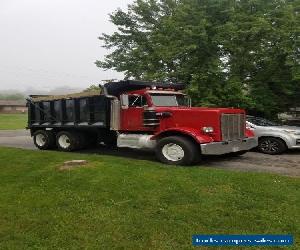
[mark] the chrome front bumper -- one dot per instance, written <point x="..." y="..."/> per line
<point x="220" y="148"/>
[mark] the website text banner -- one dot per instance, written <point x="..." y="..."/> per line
<point x="242" y="240"/>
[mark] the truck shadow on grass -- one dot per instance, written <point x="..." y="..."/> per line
<point x="130" y="153"/>
<point x="138" y="154"/>
<point x="285" y="164"/>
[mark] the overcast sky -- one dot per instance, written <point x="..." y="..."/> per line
<point x="45" y="44"/>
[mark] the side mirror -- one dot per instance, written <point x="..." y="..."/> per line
<point x="124" y="101"/>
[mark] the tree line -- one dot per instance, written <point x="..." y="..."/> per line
<point x="239" y="53"/>
<point x="12" y="96"/>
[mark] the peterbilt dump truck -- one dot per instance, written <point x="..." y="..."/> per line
<point x="141" y="115"/>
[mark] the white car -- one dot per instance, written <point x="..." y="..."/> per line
<point x="274" y="138"/>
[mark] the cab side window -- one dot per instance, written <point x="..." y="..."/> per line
<point x="136" y="101"/>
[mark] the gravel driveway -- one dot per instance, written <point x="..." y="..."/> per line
<point x="285" y="164"/>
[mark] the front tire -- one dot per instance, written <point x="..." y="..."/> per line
<point x="177" y="150"/>
<point x="271" y="146"/>
<point x="44" y="139"/>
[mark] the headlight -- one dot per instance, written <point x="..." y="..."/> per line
<point x="208" y="129"/>
<point x="293" y="132"/>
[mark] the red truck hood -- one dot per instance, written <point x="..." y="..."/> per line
<point x="195" y="118"/>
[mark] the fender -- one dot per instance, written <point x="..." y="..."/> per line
<point x="195" y="134"/>
<point x="283" y="136"/>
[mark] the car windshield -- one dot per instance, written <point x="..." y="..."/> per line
<point x="167" y="100"/>
<point x="261" y="121"/>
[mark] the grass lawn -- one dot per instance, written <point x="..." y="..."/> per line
<point x="13" y="121"/>
<point x="121" y="203"/>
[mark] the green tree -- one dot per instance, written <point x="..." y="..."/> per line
<point x="241" y="53"/>
<point x="93" y="87"/>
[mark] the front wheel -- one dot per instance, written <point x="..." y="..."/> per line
<point x="271" y="145"/>
<point x="177" y="150"/>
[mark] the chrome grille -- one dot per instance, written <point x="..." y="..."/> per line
<point x="232" y="126"/>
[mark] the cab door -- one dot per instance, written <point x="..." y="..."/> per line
<point x="132" y="109"/>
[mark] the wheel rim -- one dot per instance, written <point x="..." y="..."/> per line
<point x="173" y="152"/>
<point x="64" y="141"/>
<point x="40" y="140"/>
<point x="269" y="146"/>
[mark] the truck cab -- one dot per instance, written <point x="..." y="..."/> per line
<point x="158" y="115"/>
<point x="137" y="107"/>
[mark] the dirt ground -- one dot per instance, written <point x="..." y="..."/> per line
<point x="285" y="164"/>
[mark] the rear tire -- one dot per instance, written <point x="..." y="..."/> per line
<point x="177" y="150"/>
<point x="44" y="139"/>
<point x="68" y="141"/>
<point x="271" y="145"/>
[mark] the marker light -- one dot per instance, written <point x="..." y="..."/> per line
<point x="208" y="130"/>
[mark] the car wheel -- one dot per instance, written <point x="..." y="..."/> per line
<point x="68" y="141"/>
<point x="271" y="145"/>
<point x="44" y="139"/>
<point x="177" y="150"/>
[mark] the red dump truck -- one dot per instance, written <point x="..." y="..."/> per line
<point x="141" y="115"/>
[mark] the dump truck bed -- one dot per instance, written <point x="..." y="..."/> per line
<point x="69" y="112"/>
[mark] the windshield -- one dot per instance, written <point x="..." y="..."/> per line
<point x="261" y="121"/>
<point x="167" y="100"/>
